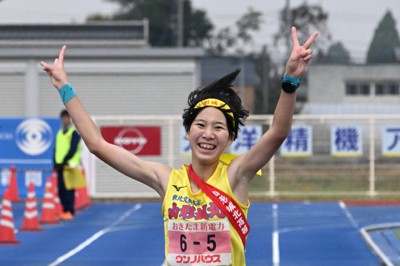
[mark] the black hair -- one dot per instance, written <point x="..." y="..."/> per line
<point x="220" y="89"/>
<point x="63" y="113"/>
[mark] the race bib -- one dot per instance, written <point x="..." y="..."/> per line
<point x="199" y="243"/>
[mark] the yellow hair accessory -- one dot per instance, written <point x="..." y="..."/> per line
<point x="212" y="102"/>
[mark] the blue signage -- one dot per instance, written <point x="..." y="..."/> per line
<point x="28" y="145"/>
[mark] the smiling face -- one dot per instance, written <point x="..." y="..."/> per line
<point x="208" y="136"/>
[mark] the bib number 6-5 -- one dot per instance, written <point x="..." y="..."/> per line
<point x="211" y="244"/>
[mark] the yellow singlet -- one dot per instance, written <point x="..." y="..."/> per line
<point x="196" y="231"/>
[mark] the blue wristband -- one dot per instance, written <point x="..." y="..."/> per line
<point x="294" y="81"/>
<point x="67" y="93"/>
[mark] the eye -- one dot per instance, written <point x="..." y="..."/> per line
<point x="199" y="124"/>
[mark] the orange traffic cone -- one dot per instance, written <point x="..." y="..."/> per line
<point x="49" y="215"/>
<point x="82" y="199"/>
<point x="13" y="185"/>
<point x="57" y="201"/>
<point x="78" y="204"/>
<point x="31" y="220"/>
<point x="7" y="234"/>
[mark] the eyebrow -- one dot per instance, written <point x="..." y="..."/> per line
<point x="215" y="123"/>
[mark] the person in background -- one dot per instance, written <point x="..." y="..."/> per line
<point x="205" y="204"/>
<point x="67" y="153"/>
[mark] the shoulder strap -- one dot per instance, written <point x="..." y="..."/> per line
<point x="226" y="204"/>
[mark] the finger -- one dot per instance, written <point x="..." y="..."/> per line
<point x="294" y="37"/>
<point x="307" y="58"/>
<point x="305" y="53"/>
<point x="45" y="66"/>
<point x="310" y="40"/>
<point x="62" y="53"/>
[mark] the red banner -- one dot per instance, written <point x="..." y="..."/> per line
<point x="138" y="140"/>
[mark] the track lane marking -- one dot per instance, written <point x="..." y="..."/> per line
<point x="96" y="236"/>
<point x="348" y="214"/>
<point x="275" y="236"/>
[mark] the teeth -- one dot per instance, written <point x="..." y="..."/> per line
<point x="207" y="146"/>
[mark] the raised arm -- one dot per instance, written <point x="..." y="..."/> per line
<point x="151" y="174"/>
<point x="283" y="114"/>
<point x="86" y="127"/>
<point x="246" y="166"/>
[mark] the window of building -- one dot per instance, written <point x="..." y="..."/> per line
<point x="388" y="88"/>
<point x="381" y="88"/>
<point x="354" y="89"/>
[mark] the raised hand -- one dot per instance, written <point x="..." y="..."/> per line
<point x="56" y="71"/>
<point x="300" y="56"/>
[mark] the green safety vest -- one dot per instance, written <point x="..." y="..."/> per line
<point x="63" y="144"/>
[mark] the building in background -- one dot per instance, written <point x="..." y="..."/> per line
<point x="111" y="65"/>
<point x="353" y="89"/>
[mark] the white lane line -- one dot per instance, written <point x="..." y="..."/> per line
<point x="275" y="236"/>
<point x="96" y="236"/>
<point x="348" y="214"/>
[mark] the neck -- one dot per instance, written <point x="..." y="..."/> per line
<point x="204" y="171"/>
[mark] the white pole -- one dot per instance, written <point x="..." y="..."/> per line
<point x="372" y="191"/>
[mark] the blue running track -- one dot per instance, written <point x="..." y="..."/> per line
<point x="284" y="234"/>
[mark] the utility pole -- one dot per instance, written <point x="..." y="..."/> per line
<point x="288" y="20"/>
<point x="180" y="23"/>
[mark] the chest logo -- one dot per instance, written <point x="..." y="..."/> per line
<point x="178" y="187"/>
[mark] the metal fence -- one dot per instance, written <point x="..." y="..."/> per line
<point x="366" y="172"/>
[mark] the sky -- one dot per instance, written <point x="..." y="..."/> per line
<point x="351" y="22"/>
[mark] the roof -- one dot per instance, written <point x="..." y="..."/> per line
<point x="119" y="32"/>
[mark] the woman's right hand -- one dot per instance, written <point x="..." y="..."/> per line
<point x="56" y="71"/>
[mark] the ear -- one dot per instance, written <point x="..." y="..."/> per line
<point x="187" y="135"/>
<point x="231" y="139"/>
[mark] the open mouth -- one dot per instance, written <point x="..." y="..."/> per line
<point x="207" y="146"/>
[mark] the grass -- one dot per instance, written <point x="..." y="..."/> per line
<point x="330" y="180"/>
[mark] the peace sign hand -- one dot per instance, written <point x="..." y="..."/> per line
<point x="300" y="56"/>
<point x="56" y="71"/>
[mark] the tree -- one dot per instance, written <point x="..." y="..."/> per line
<point x="227" y="40"/>
<point x="163" y="17"/>
<point x="250" y="21"/>
<point x="337" y="54"/>
<point x="266" y="92"/>
<point x="307" y="19"/>
<point x="384" y="42"/>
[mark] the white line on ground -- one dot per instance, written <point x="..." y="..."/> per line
<point x="348" y="214"/>
<point x="275" y="236"/>
<point x="96" y="236"/>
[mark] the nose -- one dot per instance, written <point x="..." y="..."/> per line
<point x="208" y="133"/>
